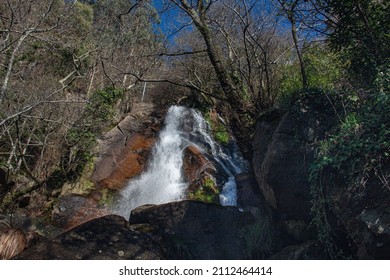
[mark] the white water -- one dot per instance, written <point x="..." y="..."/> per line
<point x="163" y="180"/>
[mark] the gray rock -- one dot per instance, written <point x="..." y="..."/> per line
<point x="197" y="230"/>
<point x="106" y="238"/>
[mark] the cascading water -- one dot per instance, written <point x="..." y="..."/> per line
<point x="163" y="179"/>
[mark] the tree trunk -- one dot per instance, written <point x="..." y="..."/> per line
<point x="300" y="58"/>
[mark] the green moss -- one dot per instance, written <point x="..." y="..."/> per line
<point x="207" y="192"/>
<point x="219" y="129"/>
<point x="108" y="197"/>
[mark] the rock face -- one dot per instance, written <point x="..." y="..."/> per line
<point x="106" y="238"/>
<point x="127" y="162"/>
<point x="280" y="163"/>
<point x="197" y="230"/>
<point x="365" y="217"/>
<point x="196" y="165"/>
<point x="248" y="192"/>
<point x="123" y="151"/>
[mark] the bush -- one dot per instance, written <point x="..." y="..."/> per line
<point x="81" y="138"/>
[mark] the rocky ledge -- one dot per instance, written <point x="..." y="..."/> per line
<point x="177" y="230"/>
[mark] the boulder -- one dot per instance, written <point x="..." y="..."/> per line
<point x="357" y="214"/>
<point x="197" y="230"/>
<point x="280" y="164"/>
<point x="283" y="151"/>
<point x="105" y="238"/>
<point x="199" y="173"/>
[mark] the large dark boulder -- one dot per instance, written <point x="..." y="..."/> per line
<point x="197" y="230"/>
<point x="280" y="163"/>
<point x="106" y="238"/>
<point x="282" y="175"/>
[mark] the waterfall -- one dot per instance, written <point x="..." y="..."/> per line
<point x="163" y="179"/>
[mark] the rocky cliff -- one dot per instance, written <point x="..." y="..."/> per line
<point x="357" y="220"/>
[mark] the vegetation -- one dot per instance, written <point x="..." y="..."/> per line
<point x="355" y="152"/>
<point x="218" y="128"/>
<point x="207" y="192"/>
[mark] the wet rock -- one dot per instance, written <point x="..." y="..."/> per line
<point x="105" y="238"/>
<point x="126" y="163"/>
<point x="123" y="151"/>
<point x="197" y="168"/>
<point x="197" y="230"/>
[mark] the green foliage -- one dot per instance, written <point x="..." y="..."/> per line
<point x="360" y="143"/>
<point x="290" y="79"/>
<point x="323" y="67"/>
<point x="361" y="34"/>
<point x="323" y="70"/>
<point x="353" y="152"/>
<point x="108" y="197"/>
<point x="98" y="114"/>
<point x="100" y="106"/>
<point x="207" y="192"/>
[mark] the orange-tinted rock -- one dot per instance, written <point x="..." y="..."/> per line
<point x="124" y="150"/>
<point x="196" y="168"/>
<point x="127" y="162"/>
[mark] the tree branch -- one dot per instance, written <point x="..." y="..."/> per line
<point x="190" y="86"/>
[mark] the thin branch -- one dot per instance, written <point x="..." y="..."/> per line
<point x="190" y="86"/>
<point x="181" y="53"/>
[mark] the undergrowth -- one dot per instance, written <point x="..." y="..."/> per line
<point x="353" y="152"/>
